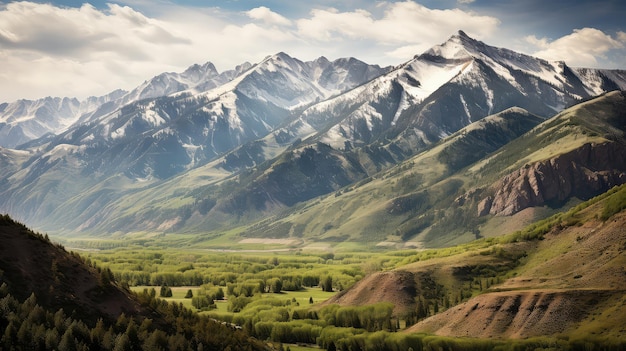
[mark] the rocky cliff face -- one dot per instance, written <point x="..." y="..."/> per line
<point x="582" y="173"/>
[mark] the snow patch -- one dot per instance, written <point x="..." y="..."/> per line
<point x="467" y="112"/>
<point x="119" y="132"/>
<point x="63" y="150"/>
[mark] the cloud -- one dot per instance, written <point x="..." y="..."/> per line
<point x="583" y="47"/>
<point x="64" y="51"/>
<point x="268" y="16"/>
<point x="403" y="23"/>
<point x="77" y="31"/>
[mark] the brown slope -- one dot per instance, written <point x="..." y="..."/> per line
<point x="517" y="314"/>
<point x="398" y="287"/>
<point x="31" y="264"/>
<point x="573" y="283"/>
<point x="428" y="279"/>
<point x="583" y="173"/>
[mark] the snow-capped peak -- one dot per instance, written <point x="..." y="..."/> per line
<point x="458" y="47"/>
<point x="197" y="72"/>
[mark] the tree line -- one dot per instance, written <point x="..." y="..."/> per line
<point x="27" y="325"/>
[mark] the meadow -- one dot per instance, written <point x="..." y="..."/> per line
<point x="274" y="293"/>
<point x="278" y="292"/>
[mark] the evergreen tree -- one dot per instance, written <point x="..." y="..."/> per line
<point x="327" y="284"/>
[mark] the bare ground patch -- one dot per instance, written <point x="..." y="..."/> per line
<point x="267" y="241"/>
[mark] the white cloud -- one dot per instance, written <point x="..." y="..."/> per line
<point x="50" y="50"/>
<point x="402" y="23"/>
<point x="268" y="16"/>
<point x="583" y="47"/>
<point x="63" y="51"/>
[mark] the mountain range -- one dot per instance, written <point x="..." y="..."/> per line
<point x="432" y="152"/>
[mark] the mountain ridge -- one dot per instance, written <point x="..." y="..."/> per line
<point x="349" y="118"/>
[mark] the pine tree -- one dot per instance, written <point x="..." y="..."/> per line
<point x="327" y="284"/>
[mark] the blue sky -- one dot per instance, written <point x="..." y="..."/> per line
<point x="73" y="48"/>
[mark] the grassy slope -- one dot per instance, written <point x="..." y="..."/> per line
<point x="411" y="203"/>
<point x="414" y="201"/>
<point x="571" y="282"/>
<point x="361" y="212"/>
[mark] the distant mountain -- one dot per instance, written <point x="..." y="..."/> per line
<point x="448" y="87"/>
<point x="398" y="114"/>
<point x="25" y="120"/>
<point x="156" y="138"/>
<point x="202" y="150"/>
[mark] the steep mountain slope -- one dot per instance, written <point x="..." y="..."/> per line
<point x="235" y="146"/>
<point x="443" y="196"/>
<point x="561" y="277"/>
<point x="25" y="120"/>
<point x="53" y="299"/>
<point x="31" y="264"/>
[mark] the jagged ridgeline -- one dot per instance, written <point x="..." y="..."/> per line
<point x="54" y="299"/>
<point x="334" y="151"/>
<point x="492" y="177"/>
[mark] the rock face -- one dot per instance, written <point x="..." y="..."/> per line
<point x="582" y="173"/>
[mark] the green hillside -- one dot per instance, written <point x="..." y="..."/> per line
<point x="433" y="198"/>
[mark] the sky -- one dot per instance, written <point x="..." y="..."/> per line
<point x="80" y="49"/>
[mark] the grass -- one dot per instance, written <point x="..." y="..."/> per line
<point x="294" y="347"/>
<point x="301" y="296"/>
<point x="538" y="251"/>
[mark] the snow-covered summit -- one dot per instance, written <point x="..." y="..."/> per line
<point x="458" y="47"/>
<point x="25" y="120"/>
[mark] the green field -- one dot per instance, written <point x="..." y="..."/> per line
<point x="276" y="293"/>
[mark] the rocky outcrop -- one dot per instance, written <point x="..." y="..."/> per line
<point x="583" y="173"/>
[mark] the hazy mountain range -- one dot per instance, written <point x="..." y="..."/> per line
<point x="432" y="151"/>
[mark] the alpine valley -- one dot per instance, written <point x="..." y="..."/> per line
<point x="470" y="191"/>
<point x="320" y="150"/>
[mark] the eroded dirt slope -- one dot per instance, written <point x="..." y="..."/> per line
<point x="573" y="283"/>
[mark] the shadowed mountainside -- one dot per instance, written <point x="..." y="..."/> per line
<point x="32" y="264"/>
<point x="54" y="299"/>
